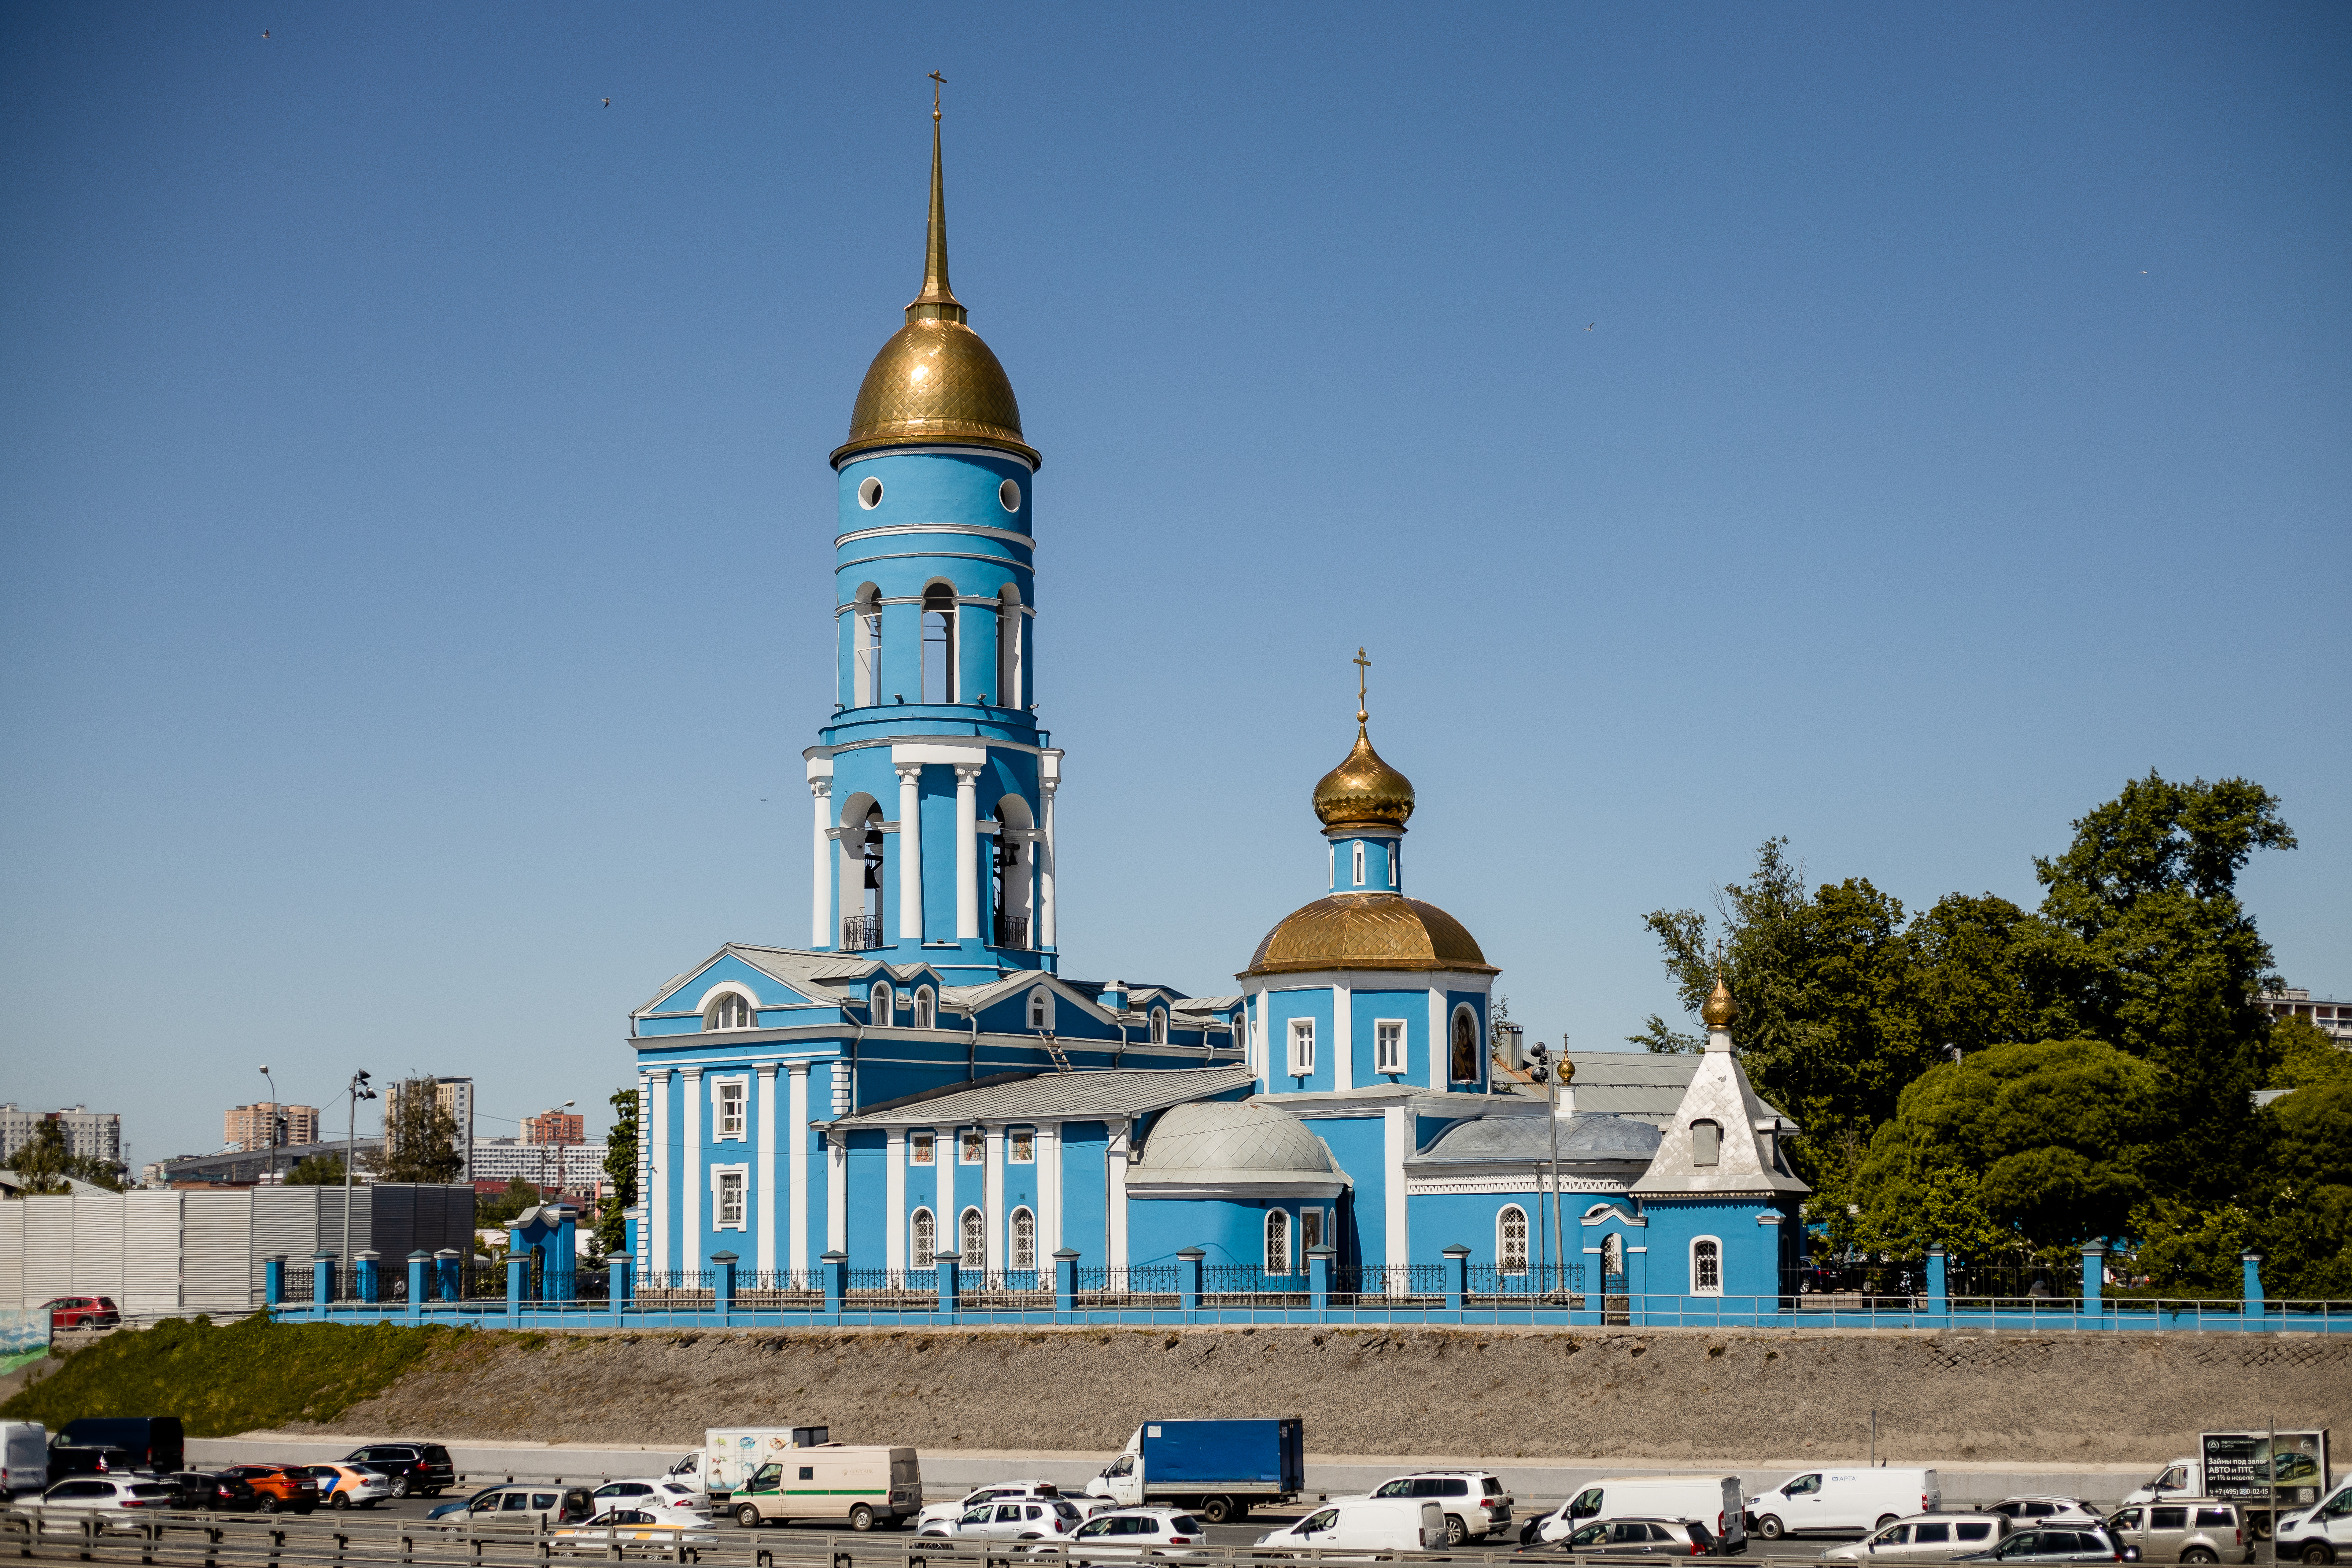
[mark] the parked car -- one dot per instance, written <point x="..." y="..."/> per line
<point x="84" y="1313"/>
<point x="658" y="1491"/>
<point x="2188" y="1530"/>
<point x="423" y="1470"/>
<point x="521" y="1502"/>
<point x="1383" y="1526"/>
<point x="211" y="1493"/>
<point x="1860" y="1500"/>
<point x="2055" y="1543"/>
<point x="1474" y="1502"/>
<point x="1011" y="1519"/>
<point x="1640" y="1538"/>
<point x="154" y="1442"/>
<point x="948" y="1512"/>
<point x="659" y="1525"/>
<point x="284" y="1489"/>
<point x="1925" y="1538"/>
<point x="116" y="1499"/>
<point x="1131" y="1532"/>
<point x="2034" y="1509"/>
<point x="351" y="1486"/>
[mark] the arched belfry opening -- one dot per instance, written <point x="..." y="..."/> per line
<point x="940" y="643"/>
<point x="864" y="879"/>
<point x="1014" y="885"/>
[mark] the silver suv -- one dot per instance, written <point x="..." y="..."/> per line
<point x="1925" y="1538"/>
<point x="1474" y="1502"/>
<point x="2191" y="1528"/>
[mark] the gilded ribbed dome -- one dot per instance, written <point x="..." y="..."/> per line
<point x="1720" y="1009"/>
<point x="1368" y="931"/>
<point x="935" y="380"/>
<point x="1363" y="791"/>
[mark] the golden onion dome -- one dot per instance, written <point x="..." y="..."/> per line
<point x="1720" y="1009"/>
<point x="1363" y="791"/>
<point x="1368" y="931"/>
<point x="935" y="380"/>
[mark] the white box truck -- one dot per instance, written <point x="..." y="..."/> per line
<point x="730" y="1454"/>
<point x="2243" y="1467"/>
<point x="1713" y="1501"/>
<point x="1859" y="1499"/>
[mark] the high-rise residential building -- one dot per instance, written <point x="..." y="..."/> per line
<point x="453" y="1094"/>
<point x="95" y="1134"/>
<point x="2332" y="1017"/>
<point x="555" y="1127"/>
<point x="247" y="1127"/>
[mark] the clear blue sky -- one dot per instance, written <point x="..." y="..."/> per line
<point x="416" y="546"/>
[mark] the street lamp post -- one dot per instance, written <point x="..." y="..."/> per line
<point x="273" y="1121"/>
<point x="358" y="1091"/>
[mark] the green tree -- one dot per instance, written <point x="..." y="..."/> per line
<point x="2303" y="1054"/>
<point x="501" y="1208"/>
<point x="620" y="1173"/>
<point x="47" y="1165"/>
<point x="420" y="1137"/>
<point x="318" y="1171"/>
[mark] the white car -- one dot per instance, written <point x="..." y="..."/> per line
<point x="2024" y="1510"/>
<point x="951" y="1512"/>
<point x="351" y="1486"/>
<point x="1131" y="1532"/>
<point x="1925" y="1538"/>
<point x="119" y="1502"/>
<point x="652" y="1491"/>
<point x="655" y="1525"/>
<point x="1474" y="1502"/>
<point x="1011" y="1519"/>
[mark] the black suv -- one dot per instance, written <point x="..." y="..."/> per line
<point x="418" y="1470"/>
<point x="218" y="1494"/>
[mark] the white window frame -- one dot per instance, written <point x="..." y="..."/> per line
<point x="742" y="1174"/>
<point x="742" y="1084"/>
<point x="969" y="1223"/>
<point x="971" y="1146"/>
<point x="1159" y="1025"/>
<point x="1382" y="1062"/>
<point x="1278" y="1232"/>
<point x="1359" y="862"/>
<point x="1302" y="1048"/>
<point x="927" y="1011"/>
<point x="882" y="1003"/>
<point x="1021" y="1250"/>
<point x="1501" y="1250"/>
<point x="866" y="652"/>
<point x="923" y="1149"/>
<point x="731" y="998"/>
<point x="1041" y="1008"/>
<point x="917" y="1255"/>
<point x="1696" y="1287"/>
<point x="1020" y="1145"/>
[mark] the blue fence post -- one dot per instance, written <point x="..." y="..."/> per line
<point x="835" y="1267"/>
<point x="518" y="1279"/>
<point x="722" y="1284"/>
<point x="420" y="1288"/>
<point x="620" y="1278"/>
<point x="273" y="1278"/>
<point x="1940" y="1292"/>
<point x="1188" y="1283"/>
<point x="1457" y="1279"/>
<point x="2253" y="1309"/>
<point x="446" y="1263"/>
<point x="1066" y="1285"/>
<point x="1319" y="1286"/>
<point x="944" y="1309"/>
<point x="2095" y="1277"/>
<point x="366" y="1278"/>
<point x="323" y="1280"/>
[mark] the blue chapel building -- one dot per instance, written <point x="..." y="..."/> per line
<point x="919" y="1077"/>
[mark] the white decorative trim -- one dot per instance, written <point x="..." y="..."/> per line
<point x="728" y="988"/>
<point x="1301" y="1187"/>
<point x="1343" y="1038"/>
<point x="743" y="1170"/>
<point x="1520" y="1181"/>
<point x="893" y="1197"/>
<point x="1397" y="1135"/>
<point x="1692" y="1256"/>
<point x="1404" y="1048"/>
<point x="871" y="453"/>
<point x="690" y="1229"/>
<point x="715" y="1081"/>
<point x="1602" y="1213"/>
<point x="796" y="1117"/>
<point x="764" y="1182"/>
<point x="973" y="530"/>
<point x="924" y="555"/>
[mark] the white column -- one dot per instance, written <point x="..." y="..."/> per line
<point x="1049" y="1193"/>
<point x="1045" y="869"/>
<point x="910" y="851"/>
<point x="822" y="932"/>
<point x="763" y="1182"/>
<point x="796" y="1132"/>
<point x="991" y="1202"/>
<point x="1119" y="1144"/>
<point x="657" y="1169"/>
<point x="1398" y="1130"/>
<point x="967" y="777"/>
<point x="946" y="1238"/>
<point x="690" y="1176"/>
<point x="894" y="1198"/>
<point x="1343" y="1029"/>
<point x="836" y="1195"/>
<point x="1441" y="1039"/>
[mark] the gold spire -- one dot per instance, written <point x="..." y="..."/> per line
<point x="1363" y="791"/>
<point x="1720" y="1009"/>
<point x="937" y="301"/>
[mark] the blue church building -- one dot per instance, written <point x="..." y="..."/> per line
<point x="919" y="1077"/>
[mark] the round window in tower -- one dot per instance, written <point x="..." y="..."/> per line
<point x="869" y="492"/>
<point x="1008" y="495"/>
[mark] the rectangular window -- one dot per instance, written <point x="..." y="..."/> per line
<point x="1707" y="1142"/>
<point x="727" y="1188"/>
<point x="1021" y="1146"/>
<point x="919" y="1149"/>
<point x="1359" y="862"/>
<point x="1302" y="1047"/>
<point x="730" y="1092"/>
<point x="1388" y="1045"/>
<point x="972" y="1147"/>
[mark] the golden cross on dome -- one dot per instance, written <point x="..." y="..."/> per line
<point x="937" y="81"/>
<point x="1362" y="665"/>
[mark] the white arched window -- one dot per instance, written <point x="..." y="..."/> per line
<point x="729" y="1011"/>
<point x="1041" y="1009"/>
<point x="975" y="1254"/>
<point x="1159" y="1025"/>
<point x="1612" y="1253"/>
<point x="1706" y="1266"/>
<point x="1511" y="1239"/>
<point x="922" y="1240"/>
<point x="938" y="642"/>
<point x="1025" y="1242"/>
<point x="865" y="648"/>
<point x="922" y="1007"/>
<point x="1359" y="862"/>
<point x="1277" y="1241"/>
<point x="881" y="1008"/>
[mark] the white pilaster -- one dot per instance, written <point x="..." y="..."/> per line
<point x="1119" y="1144"/>
<point x="1397" y="1128"/>
<point x="910" y="851"/>
<point x="657" y="1163"/>
<point x="691" y="1177"/>
<point x="1441" y="1042"/>
<point x="1045" y="867"/>
<point x="991" y="1203"/>
<point x="763" y="1179"/>
<point x="1343" y="1037"/>
<point x="822" y="867"/>
<point x="894" y="1198"/>
<point x="836" y="1194"/>
<point x="967" y="851"/>
<point x="944" y="1156"/>
<point x="1049" y="1193"/>
<point x="796" y="1128"/>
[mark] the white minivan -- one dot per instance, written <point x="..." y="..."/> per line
<point x="1859" y="1498"/>
<point x="1364" y="1524"/>
<point x="24" y="1457"/>
<point x="1713" y="1501"/>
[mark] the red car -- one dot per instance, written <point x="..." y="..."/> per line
<point x="84" y="1313"/>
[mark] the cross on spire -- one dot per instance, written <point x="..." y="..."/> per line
<point x="1362" y="666"/>
<point x="937" y="81"/>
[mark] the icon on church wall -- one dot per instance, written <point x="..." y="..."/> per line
<point x="1465" y="1047"/>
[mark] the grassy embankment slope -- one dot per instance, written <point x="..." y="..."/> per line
<point x="220" y="1380"/>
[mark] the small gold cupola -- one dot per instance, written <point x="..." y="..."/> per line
<point x="1363" y="791"/>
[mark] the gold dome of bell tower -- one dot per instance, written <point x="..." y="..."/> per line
<point x="1363" y="791"/>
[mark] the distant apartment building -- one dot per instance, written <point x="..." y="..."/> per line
<point x="453" y="1094"/>
<point x="2334" y="1018"/>
<point x="572" y="1167"/>
<point x="95" y="1133"/>
<point x="555" y="1127"/>
<point x="248" y="1127"/>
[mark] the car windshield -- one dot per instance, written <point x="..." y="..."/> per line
<point x="1095" y="1527"/>
<point x="1395" y="1488"/>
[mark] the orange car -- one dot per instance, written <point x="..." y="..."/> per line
<point x="283" y="1488"/>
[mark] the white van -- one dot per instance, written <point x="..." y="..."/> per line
<point x="1858" y="1498"/>
<point x="730" y="1454"/>
<point x="1364" y="1524"/>
<point x="861" y="1487"/>
<point x="1712" y="1501"/>
<point x="24" y="1457"/>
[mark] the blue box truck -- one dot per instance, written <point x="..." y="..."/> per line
<point x="1218" y="1469"/>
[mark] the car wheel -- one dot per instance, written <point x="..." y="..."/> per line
<point x="1456" y="1533"/>
<point x="861" y="1518"/>
<point x="270" y="1504"/>
<point x="400" y="1486"/>
<point x="1215" y="1510"/>
<point x="1883" y="1520"/>
<point x="2198" y="1554"/>
<point x="2317" y="1552"/>
<point x="748" y="1515"/>
<point x="1770" y="1527"/>
<point x="337" y="1499"/>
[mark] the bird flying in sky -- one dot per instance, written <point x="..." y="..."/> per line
<point x="608" y="103"/>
